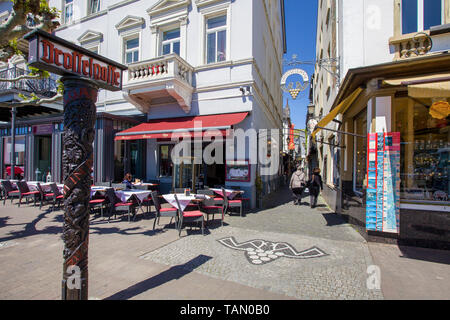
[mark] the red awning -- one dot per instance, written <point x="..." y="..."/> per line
<point x="183" y="127"/>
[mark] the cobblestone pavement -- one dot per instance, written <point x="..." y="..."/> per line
<point x="131" y="261"/>
<point x="341" y="274"/>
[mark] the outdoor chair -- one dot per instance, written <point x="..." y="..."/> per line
<point x="9" y="191"/>
<point x="117" y="205"/>
<point x="218" y="201"/>
<point x="165" y="212"/>
<point x="229" y="204"/>
<point x="45" y="196"/>
<point x="209" y="207"/>
<point x="24" y="192"/>
<point x="188" y="217"/>
<point x="98" y="203"/>
<point x="57" y="195"/>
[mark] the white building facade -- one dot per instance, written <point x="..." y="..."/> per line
<point x="186" y="60"/>
<point x="371" y="55"/>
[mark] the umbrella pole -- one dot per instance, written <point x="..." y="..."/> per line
<point x="13" y="141"/>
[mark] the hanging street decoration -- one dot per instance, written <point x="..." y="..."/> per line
<point x="299" y="87"/>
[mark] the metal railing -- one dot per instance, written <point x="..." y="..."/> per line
<point x="41" y="87"/>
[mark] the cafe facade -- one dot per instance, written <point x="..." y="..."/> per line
<point x="214" y="63"/>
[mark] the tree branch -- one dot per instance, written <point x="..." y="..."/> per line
<point x="31" y="102"/>
<point x="22" y="77"/>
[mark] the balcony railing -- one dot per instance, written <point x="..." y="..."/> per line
<point x="41" y="87"/>
<point x="170" y="66"/>
<point x="159" y="81"/>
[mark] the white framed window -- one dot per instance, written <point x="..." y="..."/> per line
<point x="131" y="49"/>
<point x="216" y="39"/>
<point x="68" y="11"/>
<point x="170" y="41"/>
<point x="420" y="15"/>
<point x="93" y="6"/>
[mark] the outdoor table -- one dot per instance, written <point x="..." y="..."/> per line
<point x="95" y="189"/>
<point x="139" y="195"/>
<point x="183" y="199"/>
<point x="44" y="185"/>
<point x="230" y="192"/>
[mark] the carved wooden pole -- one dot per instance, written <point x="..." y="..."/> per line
<point x="80" y="96"/>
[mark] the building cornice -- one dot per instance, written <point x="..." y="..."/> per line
<point x="163" y="6"/>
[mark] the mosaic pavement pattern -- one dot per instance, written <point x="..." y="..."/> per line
<point x="340" y="274"/>
<point x="262" y="251"/>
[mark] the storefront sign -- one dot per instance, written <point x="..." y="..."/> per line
<point x="298" y="86"/>
<point x="238" y="170"/>
<point x="383" y="182"/>
<point x="42" y="129"/>
<point x="56" y="55"/>
<point x="291" y="138"/>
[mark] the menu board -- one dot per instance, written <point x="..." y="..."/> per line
<point x="383" y="182"/>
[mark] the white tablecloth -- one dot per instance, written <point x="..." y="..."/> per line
<point x="230" y="192"/>
<point x="182" y="199"/>
<point x="32" y="185"/>
<point x="125" y="195"/>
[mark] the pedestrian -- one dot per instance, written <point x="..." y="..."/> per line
<point x="314" y="186"/>
<point x="298" y="184"/>
<point x="127" y="181"/>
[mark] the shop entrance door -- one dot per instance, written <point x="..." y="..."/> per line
<point x="43" y="154"/>
<point x="185" y="173"/>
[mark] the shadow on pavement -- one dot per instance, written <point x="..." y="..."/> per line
<point x="425" y="254"/>
<point x="333" y="219"/>
<point x="174" y="273"/>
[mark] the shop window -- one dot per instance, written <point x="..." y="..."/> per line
<point x="171" y="42"/>
<point x="360" y="151"/>
<point x="216" y="39"/>
<point x="425" y="152"/>
<point x="19" y="153"/>
<point x="419" y="15"/>
<point x="165" y="162"/>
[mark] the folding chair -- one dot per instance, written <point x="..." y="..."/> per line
<point x="9" y="191"/>
<point x="188" y="216"/>
<point x="24" y="192"/>
<point x="231" y="203"/>
<point x="165" y="212"/>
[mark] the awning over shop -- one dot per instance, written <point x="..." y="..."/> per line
<point x="183" y="127"/>
<point x="429" y="86"/>
<point x="340" y="108"/>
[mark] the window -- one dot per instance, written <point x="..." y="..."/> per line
<point x="419" y="15"/>
<point x="171" y="42"/>
<point x="216" y="39"/>
<point x="94" y="6"/>
<point x="165" y="162"/>
<point x="360" y="150"/>
<point x="19" y="150"/>
<point x="68" y="11"/>
<point x="424" y="152"/>
<point x="93" y="49"/>
<point x="131" y="50"/>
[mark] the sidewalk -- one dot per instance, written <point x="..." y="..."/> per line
<point x="264" y="255"/>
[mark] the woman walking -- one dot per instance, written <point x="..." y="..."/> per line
<point x="314" y="186"/>
<point x="298" y="184"/>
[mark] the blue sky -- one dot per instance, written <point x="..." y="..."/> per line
<point x="301" y="23"/>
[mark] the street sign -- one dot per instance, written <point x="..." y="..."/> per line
<point x="56" y="55"/>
